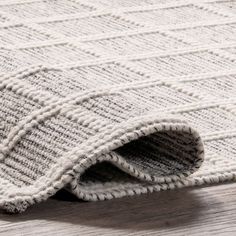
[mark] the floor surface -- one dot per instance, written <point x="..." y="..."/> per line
<point x="190" y="211"/>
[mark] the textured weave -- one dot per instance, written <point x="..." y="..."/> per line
<point x="109" y="98"/>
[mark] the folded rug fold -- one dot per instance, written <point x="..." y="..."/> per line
<point x="48" y="144"/>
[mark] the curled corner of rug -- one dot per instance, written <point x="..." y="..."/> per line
<point x="128" y="158"/>
<point x="162" y="153"/>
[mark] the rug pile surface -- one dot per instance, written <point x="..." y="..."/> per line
<point x="112" y="98"/>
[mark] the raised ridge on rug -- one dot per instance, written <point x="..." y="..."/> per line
<point x="114" y="98"/>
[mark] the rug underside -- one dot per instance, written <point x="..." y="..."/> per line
<point x="115" y="98"/>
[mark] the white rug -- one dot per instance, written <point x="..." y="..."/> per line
<point x="109" y="98"/>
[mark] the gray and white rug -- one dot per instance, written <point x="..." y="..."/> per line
<point x="109" y="98"/>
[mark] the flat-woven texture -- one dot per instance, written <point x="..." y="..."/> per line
<point x="111" y="98"/>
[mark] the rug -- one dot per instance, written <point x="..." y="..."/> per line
<point x="112" y="98"/>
